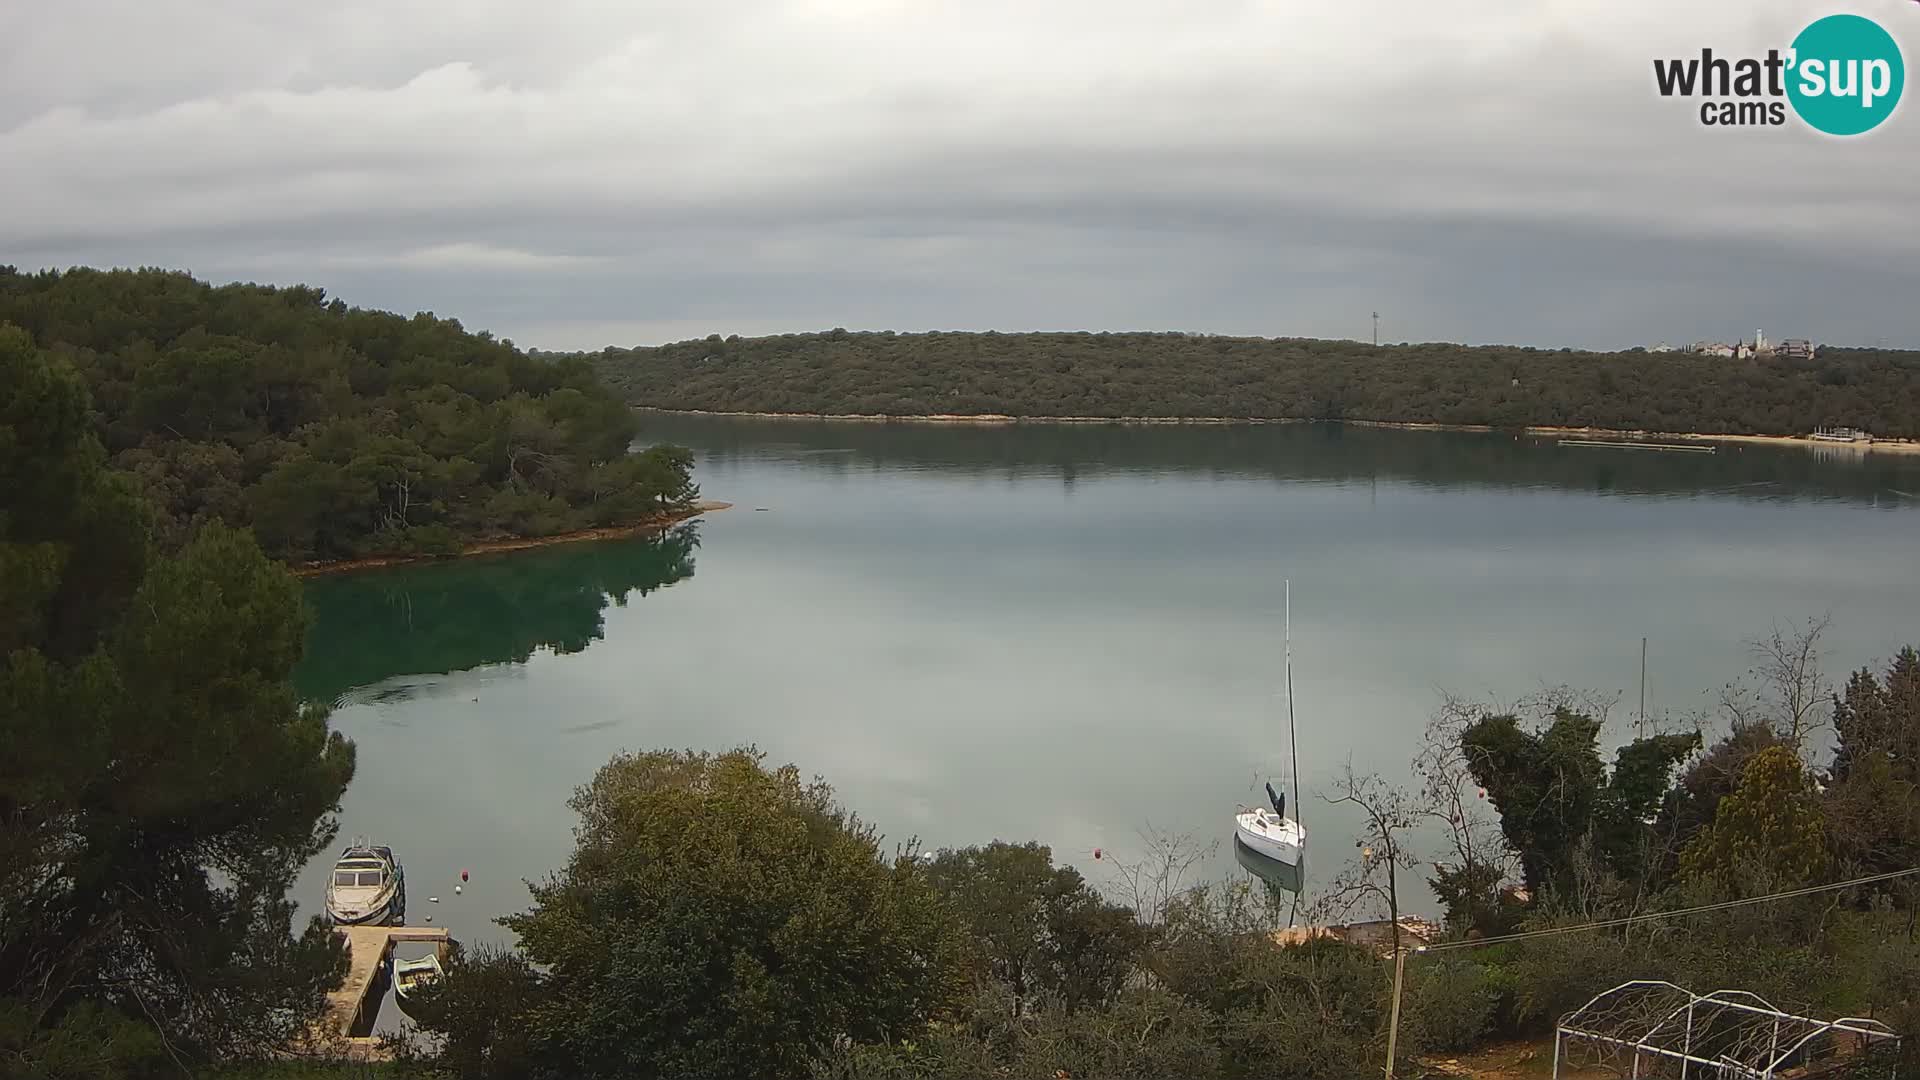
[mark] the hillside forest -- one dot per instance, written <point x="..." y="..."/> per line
<point x="1188" y="375"/>
<point x="335" y="432"/>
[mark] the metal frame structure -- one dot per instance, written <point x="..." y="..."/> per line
<point x="1649" y="1029"/>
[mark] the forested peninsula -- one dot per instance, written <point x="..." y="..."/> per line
<point x="338" y="433"/>
<point x="1171" y="375"/>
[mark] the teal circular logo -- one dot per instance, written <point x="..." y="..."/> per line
<point x="1846" y="75"/>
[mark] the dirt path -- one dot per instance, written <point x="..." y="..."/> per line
<point x="1507" y="1061"/>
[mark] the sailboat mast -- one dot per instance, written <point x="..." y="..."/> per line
<point x="1293" y="740"/>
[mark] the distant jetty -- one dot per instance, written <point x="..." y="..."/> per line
<point x="1622" y="444"/>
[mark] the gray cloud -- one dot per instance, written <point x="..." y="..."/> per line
<point x="585" y="172"/>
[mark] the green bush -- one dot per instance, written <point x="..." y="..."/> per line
<point x="88" y="1043"/>
<point x="1552" y="976"/>
<point x="479" y="1012"/>
<point x="1450" y="1002"/>
<point x="1144" y="1034"/>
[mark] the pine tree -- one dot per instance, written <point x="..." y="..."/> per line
<point x="1874" y="804"/>
<point x="161" y="785"/>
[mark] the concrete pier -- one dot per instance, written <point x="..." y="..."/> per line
<point x="353" y="1009"/>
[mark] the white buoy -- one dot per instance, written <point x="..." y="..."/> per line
<point x="433" y="899"/>
<point x="456" y="890"/>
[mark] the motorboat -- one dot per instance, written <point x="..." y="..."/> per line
<point x="410" y="975"/>
<point x="368" y="888"/>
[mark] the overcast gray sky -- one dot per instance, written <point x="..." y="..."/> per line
<point x="577" y="173"/>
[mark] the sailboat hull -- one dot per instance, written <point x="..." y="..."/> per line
<point x="1271" y="847"/>
<point x="1272" y="871"/>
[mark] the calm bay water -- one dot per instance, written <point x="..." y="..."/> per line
<point x="1072" y="633"/>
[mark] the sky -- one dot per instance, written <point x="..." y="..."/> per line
<point x="572" y="174"/>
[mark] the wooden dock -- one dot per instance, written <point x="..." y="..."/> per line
<point x="353" y="1009"/>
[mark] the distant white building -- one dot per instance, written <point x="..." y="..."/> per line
<point x="1759" y="347"/>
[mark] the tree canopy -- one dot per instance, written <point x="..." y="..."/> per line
<point x="161" y="784"/>
<point x="337" y="432"/>
<point x="1557" y="800"/>
<point x="1194" y="375"/>
<point x="1770" y="828"/>
<point x="721" y="919"/>
<point x="1037" y="927"/>
<point x="1875" y="796"/>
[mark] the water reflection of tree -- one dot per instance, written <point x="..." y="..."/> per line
<point x="470" y="612"/>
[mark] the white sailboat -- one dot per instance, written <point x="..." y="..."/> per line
<point x="1268" y="843"/>
<point x="1272" y="834"/>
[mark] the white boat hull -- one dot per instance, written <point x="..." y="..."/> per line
<point x="375" y="893"/>
<point x="383" y="915"/>
<point x="409" y="975"/>
<point x="1278" y="844"/>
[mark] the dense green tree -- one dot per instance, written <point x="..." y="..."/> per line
<point x="1475" y="898"/>
<point x="161" y="784"/>
<point x="1175" y="375"/>
<point x="720" y="919"/>
<point x="1038" y="928"/>
<point x="480" y="1013"/>
<point x="1880" y="718"/>
<point x="1873" y="804"/>
<point x="337" y="432"/>
<point x="1713" y="776"/>
<point x="1769" y="832"/>
<point x="1556" y="798"/>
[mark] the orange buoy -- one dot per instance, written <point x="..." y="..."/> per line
<point x="463" y="875"/>
<point x="1096" y="854"/>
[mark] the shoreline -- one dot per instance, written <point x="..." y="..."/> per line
<point x="657" y="523"/>
<point x="1005" y="420"/>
